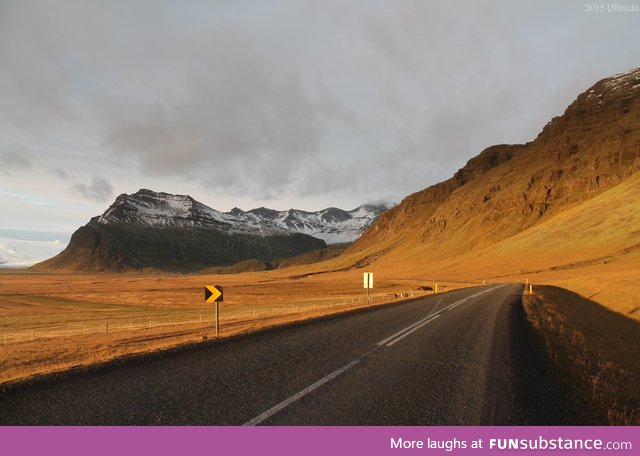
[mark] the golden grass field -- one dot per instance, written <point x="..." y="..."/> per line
<point x="51" y="322"/>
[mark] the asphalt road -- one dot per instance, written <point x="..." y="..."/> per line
<point x="457" y="358"/>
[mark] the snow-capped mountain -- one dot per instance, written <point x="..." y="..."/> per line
<point x="332" y="225"/>
<point x="160" y="210"/>
<point x="17" y="253"/>
<point x="158" y="231"/>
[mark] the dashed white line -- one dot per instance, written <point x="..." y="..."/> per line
<point x="412" y="327"/>
<point x="276" y="408"/>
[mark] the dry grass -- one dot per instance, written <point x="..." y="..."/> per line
<point x="56" y="321"/>
<point x="594" y="353"/>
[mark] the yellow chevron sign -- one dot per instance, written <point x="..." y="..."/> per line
<point x="213" y="293"/>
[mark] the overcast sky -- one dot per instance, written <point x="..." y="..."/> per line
<point x="304" y="104"/>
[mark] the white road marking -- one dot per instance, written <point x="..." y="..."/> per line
<point x="409" y="332"/>
<point x="276" y="408"/>
<point x="389" y="341"/>
<point x="411" y="326"/>
<point x="382" y="342"/>
<point x="409" y="329"/>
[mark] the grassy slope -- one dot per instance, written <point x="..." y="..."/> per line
<point x="591" y="248"/>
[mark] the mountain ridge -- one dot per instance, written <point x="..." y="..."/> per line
<point x="158" y="210"/>
<point x="593" y="146"/>
<point x="148" y="231"/>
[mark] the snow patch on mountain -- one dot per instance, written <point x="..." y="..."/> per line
<point x="17" y="253"/>
<point x="332" y="225"/>
<point x="164" y="210"/>
<point x="629" y="80"/>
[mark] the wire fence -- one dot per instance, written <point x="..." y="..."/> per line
<point x="200" y="317"/>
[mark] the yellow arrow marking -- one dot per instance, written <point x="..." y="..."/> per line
<point x="211" y="293"/>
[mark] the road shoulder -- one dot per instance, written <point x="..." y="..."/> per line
<point x="593" y="352"/>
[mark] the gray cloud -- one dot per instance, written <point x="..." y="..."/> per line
<point x="333" y="101"/>
<point x="60" y="173"/>
<point x="99" y="190"/>
<point x="15" y="158"/>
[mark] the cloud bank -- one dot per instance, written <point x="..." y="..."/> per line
<point x="288" y="102"/>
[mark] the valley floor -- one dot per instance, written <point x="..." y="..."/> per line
<point x="53" y="322"/>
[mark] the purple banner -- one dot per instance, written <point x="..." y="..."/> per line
<point x="173" y="441"/>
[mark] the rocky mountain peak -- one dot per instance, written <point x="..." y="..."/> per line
<point x="333" y="214"/>
<point x="164" y="210"/>
<point x="149" y="208"/>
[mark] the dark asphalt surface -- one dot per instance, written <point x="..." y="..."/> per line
<point x="469" y="361"/>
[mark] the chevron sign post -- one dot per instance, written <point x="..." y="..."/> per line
<point x="214" y="293"/>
